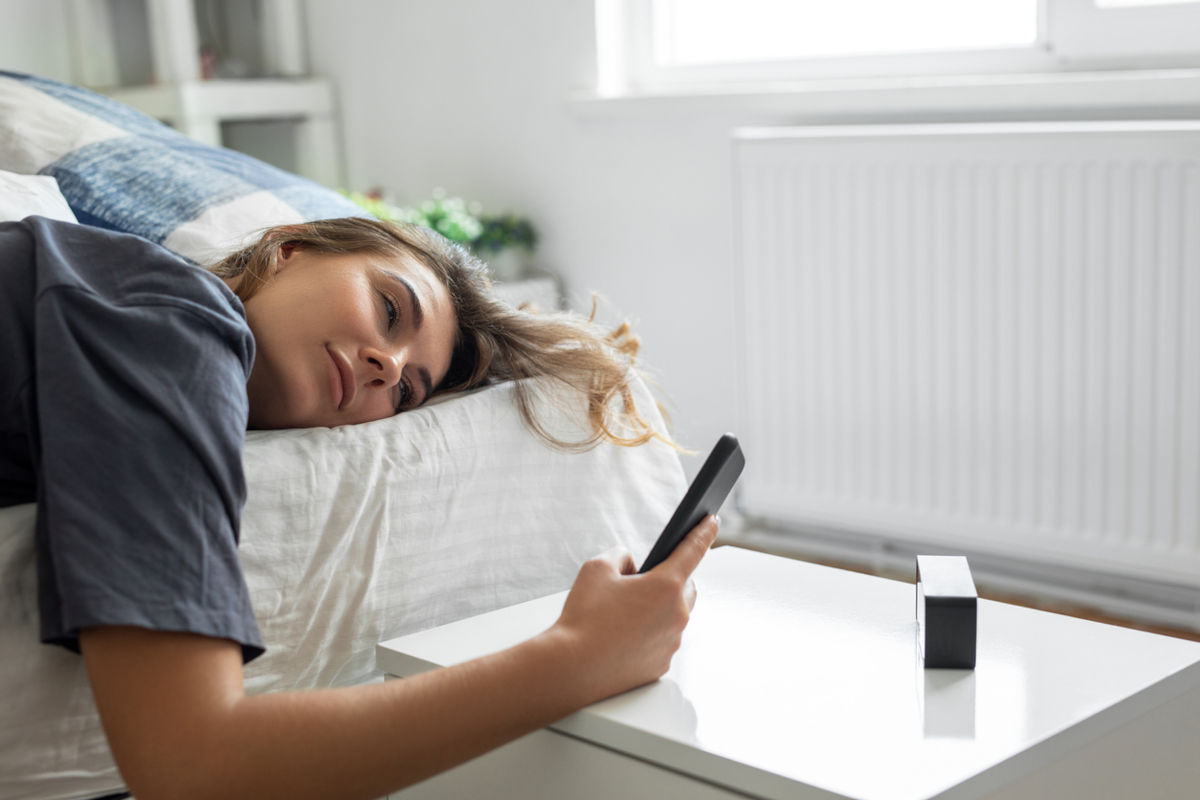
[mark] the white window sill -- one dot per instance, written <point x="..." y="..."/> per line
<point x="1164" y="92"/>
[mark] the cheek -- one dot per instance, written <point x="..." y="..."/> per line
<point x="274" y="314"/>
<point x="313" y="317"/>
<point x="350" y="310"/>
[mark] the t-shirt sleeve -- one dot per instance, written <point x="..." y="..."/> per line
<point x="141" y="410"/>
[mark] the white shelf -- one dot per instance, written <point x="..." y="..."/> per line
<point x="197" y="107"/>
<point x="231" y="100"/>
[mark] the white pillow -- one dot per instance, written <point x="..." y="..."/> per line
<point x="24" y="195"/>
<point x="354" y="535"/>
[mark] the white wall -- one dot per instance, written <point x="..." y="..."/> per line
<point x="33" y="38"/>
<point x="474" y="96"/>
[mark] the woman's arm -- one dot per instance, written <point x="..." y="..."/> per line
<point x="181" y="726"/>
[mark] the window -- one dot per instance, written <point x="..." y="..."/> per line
<point x="714" y="31"/>
<point x="664" y="44"/>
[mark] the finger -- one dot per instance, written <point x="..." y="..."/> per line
<point x="617" y="557"/>
<point x="691" y="550"/>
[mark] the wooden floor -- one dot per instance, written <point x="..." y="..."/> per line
<point x="1029" y="602"/>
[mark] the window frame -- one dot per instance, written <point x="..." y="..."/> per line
<point x="1073" y="35"/>
<point x="1132" y="36"/>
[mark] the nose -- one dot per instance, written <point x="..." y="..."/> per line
<point x="384" y="367"/>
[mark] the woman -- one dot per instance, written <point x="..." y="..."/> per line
<point x="128" y="381"/>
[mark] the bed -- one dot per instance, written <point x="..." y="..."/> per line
<point x="350" y="535"/>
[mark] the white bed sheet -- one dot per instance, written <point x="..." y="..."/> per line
<point x="352" y="536"/>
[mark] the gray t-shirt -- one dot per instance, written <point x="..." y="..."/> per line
<point x="122" y="415"/>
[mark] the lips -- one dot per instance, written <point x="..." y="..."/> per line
<point x="341" y="380"/>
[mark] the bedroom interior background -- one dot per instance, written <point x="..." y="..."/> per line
<point x="637" y="195"/>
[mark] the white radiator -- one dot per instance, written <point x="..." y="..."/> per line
<point x="985" y="338"/>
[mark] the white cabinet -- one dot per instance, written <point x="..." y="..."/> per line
<point x="150" y="54"/>
<point x="801" y="681"/>
<point x="541" y="293"/>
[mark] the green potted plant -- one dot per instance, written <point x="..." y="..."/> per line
<point x="504" y="241"/>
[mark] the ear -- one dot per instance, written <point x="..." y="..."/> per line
<point x="283" y="254"/>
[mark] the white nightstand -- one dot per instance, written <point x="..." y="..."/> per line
<point x="542" y="293"/>
<point x="801" y="681"/>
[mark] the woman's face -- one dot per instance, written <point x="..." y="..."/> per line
<point x="346" y="338"/>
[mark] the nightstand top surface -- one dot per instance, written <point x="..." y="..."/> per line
<point x="795" y="675"/>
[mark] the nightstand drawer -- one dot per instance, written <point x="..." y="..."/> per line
<point x="547" y="764"/>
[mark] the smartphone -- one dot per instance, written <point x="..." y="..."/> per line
<point x="706" y="494"/>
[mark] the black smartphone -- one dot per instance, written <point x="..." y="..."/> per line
<point x="706" y="494"/>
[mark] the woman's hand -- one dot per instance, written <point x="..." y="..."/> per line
<point x="623" y="627"/>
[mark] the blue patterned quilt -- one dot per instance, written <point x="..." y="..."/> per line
<point x="123" y="170"/>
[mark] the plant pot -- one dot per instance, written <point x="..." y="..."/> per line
<point x="509" y="264"/>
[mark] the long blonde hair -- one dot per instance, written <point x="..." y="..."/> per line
<point x="494" y="342"/>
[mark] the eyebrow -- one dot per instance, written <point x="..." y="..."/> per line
<point x="418" y="313"/>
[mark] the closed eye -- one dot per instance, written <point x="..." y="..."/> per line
<point x="392" y="310"/>
<point x="405" y="392"/>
